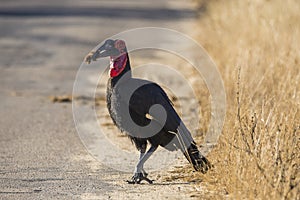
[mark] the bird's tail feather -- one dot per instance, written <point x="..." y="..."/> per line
<point x="190" y="150"/>
<point x="199" y="162"/>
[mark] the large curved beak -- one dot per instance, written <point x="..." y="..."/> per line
<point x="105" y="51"/>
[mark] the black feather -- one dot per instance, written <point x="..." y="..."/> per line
<point x="171" y="133"/>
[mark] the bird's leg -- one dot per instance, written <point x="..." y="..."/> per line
<point x="139" y="173"/>
<point x="142" y="153"/>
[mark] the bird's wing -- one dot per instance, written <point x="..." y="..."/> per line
<point x="150" y="94"/>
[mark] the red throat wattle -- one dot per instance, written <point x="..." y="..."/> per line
<point x="118" y="65"/>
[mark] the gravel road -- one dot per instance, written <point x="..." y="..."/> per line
<point x="42" y="46"/>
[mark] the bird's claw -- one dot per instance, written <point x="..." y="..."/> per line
<point x="138" y="177"/>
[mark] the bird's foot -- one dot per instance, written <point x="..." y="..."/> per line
<point x="138" y="177"/>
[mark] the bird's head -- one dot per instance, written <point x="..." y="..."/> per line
<point x="116" y="50"/>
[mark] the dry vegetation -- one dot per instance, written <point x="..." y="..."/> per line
<point x="256" y="45"/>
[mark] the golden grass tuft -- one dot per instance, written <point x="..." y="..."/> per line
<point x="256" y="45"/>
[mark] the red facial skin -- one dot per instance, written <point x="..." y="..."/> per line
<point x="118" y="65"/>
<point x="118" y="62"/>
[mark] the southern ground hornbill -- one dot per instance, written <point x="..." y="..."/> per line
<point x="133" y="100"/>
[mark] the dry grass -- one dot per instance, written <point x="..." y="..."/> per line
<point x="256" y="45"/>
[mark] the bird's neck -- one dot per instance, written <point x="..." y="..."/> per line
<point x="123" y="76"/>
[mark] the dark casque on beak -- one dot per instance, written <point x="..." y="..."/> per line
<point x="107" y="49"/>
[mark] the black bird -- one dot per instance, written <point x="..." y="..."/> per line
<point x="144" y="112"/>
